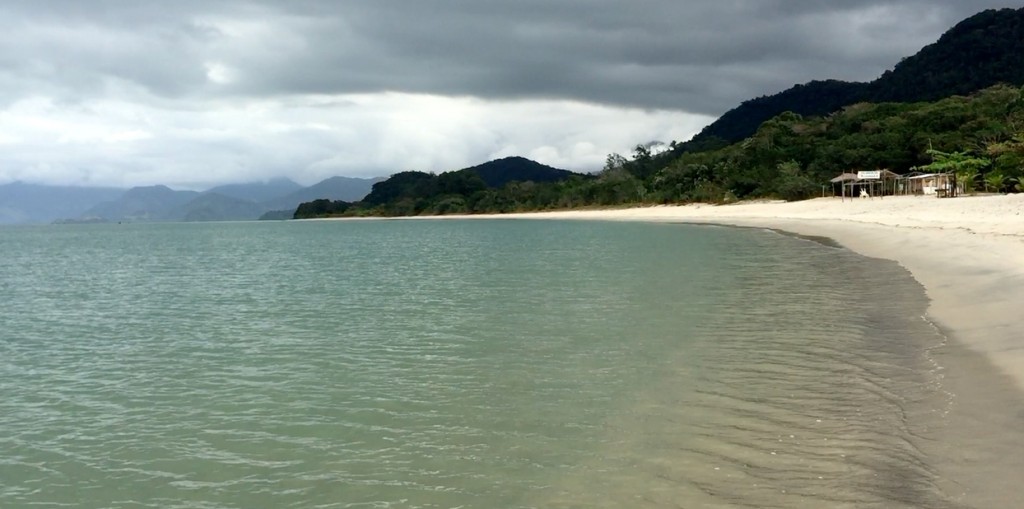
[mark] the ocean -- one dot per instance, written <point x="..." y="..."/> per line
<point x="460" y="364"/>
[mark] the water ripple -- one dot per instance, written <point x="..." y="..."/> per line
<point x="446" y="364"/>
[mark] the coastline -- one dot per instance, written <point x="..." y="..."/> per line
<point x="967" y="252"/>
<point x="968" y="255"/>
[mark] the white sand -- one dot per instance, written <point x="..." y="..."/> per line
<point x="968" y="252"/>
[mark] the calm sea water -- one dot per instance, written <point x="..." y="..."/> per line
<point x="458" y="364"/>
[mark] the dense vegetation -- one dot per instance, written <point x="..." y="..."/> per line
<point x="791" y="156"/>
<point x="984" y="50"/>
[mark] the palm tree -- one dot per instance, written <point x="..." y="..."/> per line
<point x="995" y="181"/>
<point x="1018" y="183"/>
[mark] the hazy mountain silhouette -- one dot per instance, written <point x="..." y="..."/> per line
<point x="149" y="203"/>
<point x="34" y="203"/>
<point x="335" y="188"/>
<point x="258" y="191"/>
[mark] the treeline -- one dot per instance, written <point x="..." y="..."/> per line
<point x="414" y="193"/>
<point x="791" y="157"/>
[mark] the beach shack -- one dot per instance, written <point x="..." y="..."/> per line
<point x="839" y="187"/>
<point x="866" y="184"/>
<point x="932" y="184"/>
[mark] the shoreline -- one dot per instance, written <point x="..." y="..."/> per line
<point x="967" y="252"/>
<point x="968" y="255"/>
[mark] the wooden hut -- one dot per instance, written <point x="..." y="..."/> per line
<point x="840" y="183"/>
<point x="867" y="183"/>
<point x="932" y="184"/>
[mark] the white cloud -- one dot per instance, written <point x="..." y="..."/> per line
<point x="308" y="138"/>
<point x="219" y="73"/>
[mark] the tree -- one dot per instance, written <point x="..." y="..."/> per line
<point x="614" y="162"/>
<point x="995" y="181"/>
<point x="792" y="184"/>
<point x="321" y="208"/>
<point x="1008" y="158"/>
<point x="965" y="166"/>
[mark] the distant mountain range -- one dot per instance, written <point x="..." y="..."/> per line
<point x="273" y="199"/>
<point x="334" y="188"/>
<point x="259" y="192"/>
<point x="32" y="203"/>
<point x="22" y="203"/>
<point x="983" y="50"/>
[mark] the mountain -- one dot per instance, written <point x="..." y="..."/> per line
<point x="983" y="50"/>
<point x="224" y="203"/>
<point x="34" y="203"/>
<point x="418" y="185"/>
<point x="231" y="202"/>
<point x="211" y="206"/>
<point x="258" y="191"/>
<point x="474" y="189"/>
<point x="499" y="172"/>
<point x="150" y="203"/>
<point x="335" y="188"/>
<point x="817" y="98"/>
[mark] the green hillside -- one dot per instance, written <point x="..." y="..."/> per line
<point x="501" y="184"/>
<point x="984" y="50"/>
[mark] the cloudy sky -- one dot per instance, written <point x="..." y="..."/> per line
<point x="193" y="93"/>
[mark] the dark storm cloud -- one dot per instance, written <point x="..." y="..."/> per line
<point x="694" y="56"/>
<point x="697" y="56"/>
<point x="195" y="93"/>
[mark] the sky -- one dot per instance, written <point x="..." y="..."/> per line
<point x="195" y="93"/>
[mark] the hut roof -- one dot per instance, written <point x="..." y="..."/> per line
<point x="845" y="177"/>
<point x="852" y="177"/>
<point x="928" y="175"/>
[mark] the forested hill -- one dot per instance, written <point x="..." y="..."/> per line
<point x="983" y="50"/>
<point x="499" y="172"/>
<point x="817" y="98"/>
<point x="500" y="185"/>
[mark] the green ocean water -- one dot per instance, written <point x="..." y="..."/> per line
<point x="459" y="364"/>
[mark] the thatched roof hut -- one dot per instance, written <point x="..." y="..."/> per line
<point x="845" y="177"/>
<point x="880" y="183"/>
